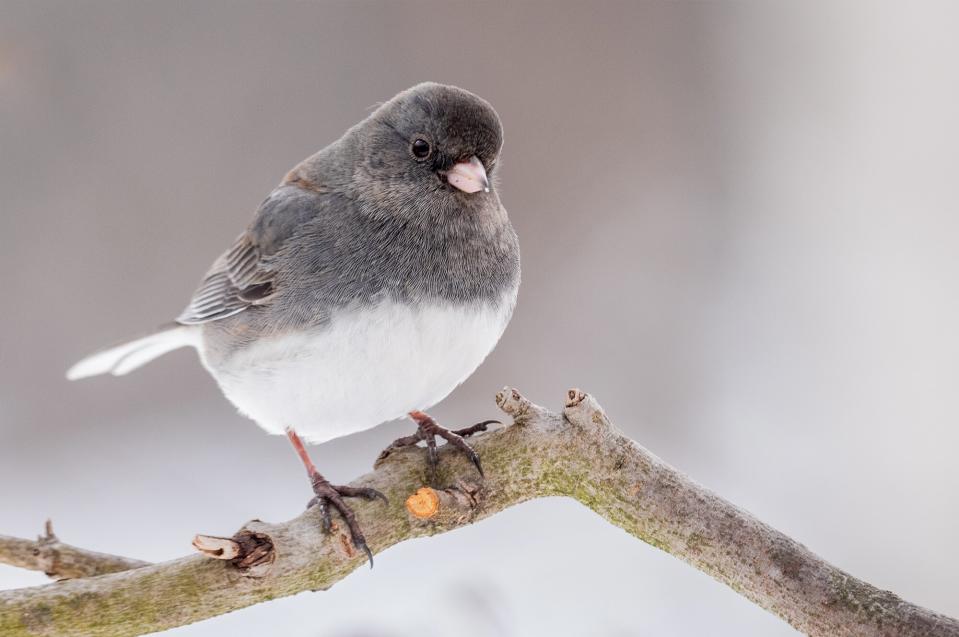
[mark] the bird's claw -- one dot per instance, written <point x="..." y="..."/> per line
<point x="427" y="432"/>
<point x="328" y="494"/>
<point x="466" y="432"/>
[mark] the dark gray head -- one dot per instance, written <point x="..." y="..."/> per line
<point x="430" y="153"/>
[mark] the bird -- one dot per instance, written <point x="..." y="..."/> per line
<point x="370" y="283"/>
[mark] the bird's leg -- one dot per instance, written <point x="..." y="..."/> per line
<point x="428" y="430"/>
<point x="327" y="494"/>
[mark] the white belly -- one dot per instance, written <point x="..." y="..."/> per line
<point x="363" y="368"/>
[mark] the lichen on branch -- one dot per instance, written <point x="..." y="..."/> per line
<point x="577" y="454"/>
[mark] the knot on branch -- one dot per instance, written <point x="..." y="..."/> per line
<point x="523" y="410"/>
<point x="46" y="551"/>
<point x="583" y="410"/>
<point x="249" y="551"/>
<point x="513" y="403"/>
<point x="445" y="507"/>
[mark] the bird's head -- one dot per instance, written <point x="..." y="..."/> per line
<point x="431" y="150"/>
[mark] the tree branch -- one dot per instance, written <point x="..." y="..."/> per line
<point x="578" y="454"/>
<point x="58" y="560"/>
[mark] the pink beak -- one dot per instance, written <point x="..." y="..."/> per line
<point x="468" y="176"/>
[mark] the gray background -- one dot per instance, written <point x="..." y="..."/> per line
<point x="739" y="228"/>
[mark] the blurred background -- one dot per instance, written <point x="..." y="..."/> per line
<point x="740" y="231"/>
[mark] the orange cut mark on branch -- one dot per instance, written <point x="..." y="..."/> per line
<point x="423" y="504"/>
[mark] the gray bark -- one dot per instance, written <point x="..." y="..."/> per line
<point x="58" y="560"/>
<point x="577" y="454"/>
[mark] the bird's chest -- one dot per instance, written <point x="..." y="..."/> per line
<point x="364" y="367"/>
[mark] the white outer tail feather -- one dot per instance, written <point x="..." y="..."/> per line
<point x="127" y="357"/>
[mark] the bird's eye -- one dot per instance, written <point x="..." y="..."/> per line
<point x="420" y="148"/>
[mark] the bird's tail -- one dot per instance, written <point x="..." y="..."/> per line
<point x="125" y="358"/>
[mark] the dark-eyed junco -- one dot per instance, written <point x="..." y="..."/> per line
<point x="371" y="282"/>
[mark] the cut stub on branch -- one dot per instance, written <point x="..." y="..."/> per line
<point x="513" y="403"/>
<point x="251" y="552"/>
<point x="423" y="504"/>
<point x="219" y="548"/>
<point x="453" y="506"/>
<point x="584" y="410"/>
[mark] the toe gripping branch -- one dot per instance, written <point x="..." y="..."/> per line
<point x="327" y="495"/>
<point x="428" y="430"/>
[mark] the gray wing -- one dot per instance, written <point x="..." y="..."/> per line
<point x="242" y="277"/>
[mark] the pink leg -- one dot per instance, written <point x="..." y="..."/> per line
<point x="327" y="494"/>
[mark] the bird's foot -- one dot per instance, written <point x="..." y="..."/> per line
<point x="328" y="495"/>
<point x="428" y="430"/>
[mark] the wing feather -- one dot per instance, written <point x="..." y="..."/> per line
<point x="241" y="276"/>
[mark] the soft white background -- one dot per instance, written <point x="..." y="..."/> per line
<point x="740" y="225"/>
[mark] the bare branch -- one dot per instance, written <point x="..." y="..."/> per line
<point x="58" y="560"/>
<point x="578" y="454"/>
